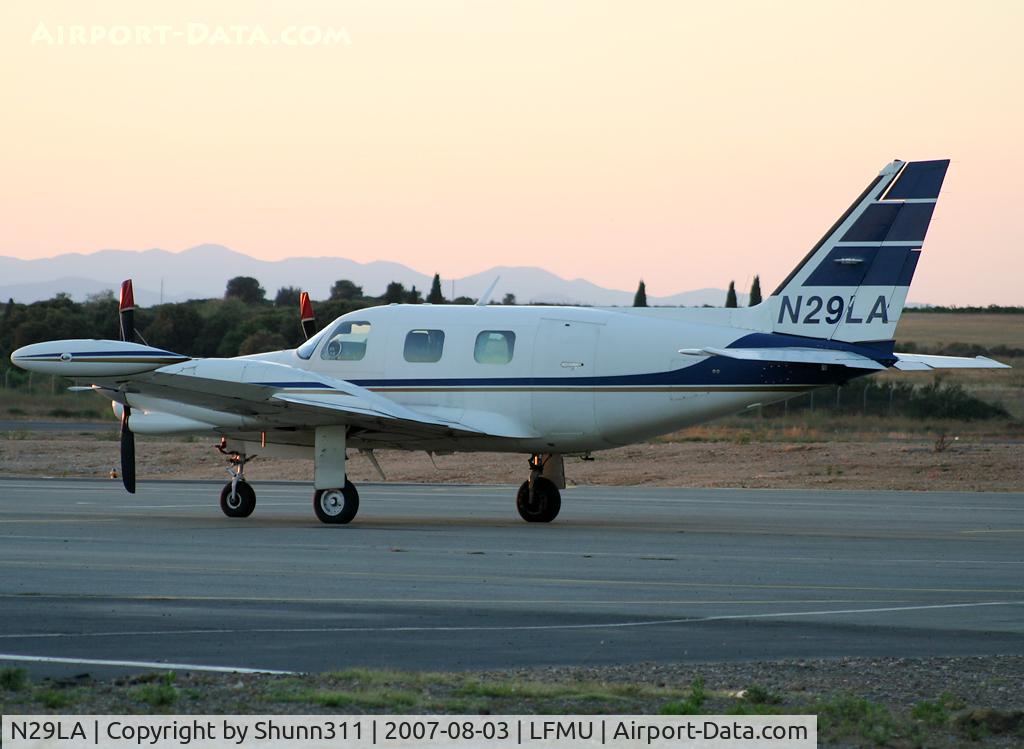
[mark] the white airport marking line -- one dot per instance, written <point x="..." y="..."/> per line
<point x="513" y="628"/>
<point x="495" y="579"/>
<point x="75" y="520"/>
<point x="995" y="530"/>
<point x="140" y="664"/>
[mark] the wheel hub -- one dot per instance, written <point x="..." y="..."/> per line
<point x="332" y="503"/>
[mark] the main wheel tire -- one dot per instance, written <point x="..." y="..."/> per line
<point x="547" y="501"/>
<point x="336" y="506"/>
<point x="241" y="504"/>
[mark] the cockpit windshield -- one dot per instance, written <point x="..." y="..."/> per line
<point x="306" y="349"/>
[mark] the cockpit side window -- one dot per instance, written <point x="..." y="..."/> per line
<point x="347" y="341"/>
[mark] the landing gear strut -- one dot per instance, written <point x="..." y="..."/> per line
<point x="237" y="498"/>
<point x="332" y="505"/>
<point x="539" y="500"/>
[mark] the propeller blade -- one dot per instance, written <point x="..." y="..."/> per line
<point x="126" y="310"/>
<point x="308" y="320"/>
<point x="127" y="452"/>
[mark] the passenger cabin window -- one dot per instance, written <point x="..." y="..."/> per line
<point x="494" y="347"/>
<point x="347" y="341"/>
<point x="424" y="346"/>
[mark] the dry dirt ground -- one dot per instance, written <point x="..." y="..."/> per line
<point x="979" y="464"/>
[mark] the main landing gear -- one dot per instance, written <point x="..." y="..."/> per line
<point x="237" y="498"/>
<point x="539" y="500"/>
<point x="336" y="506"/>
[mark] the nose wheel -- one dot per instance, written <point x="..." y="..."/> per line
<point x="237" y="498"/>
<point x="336" y="506"/>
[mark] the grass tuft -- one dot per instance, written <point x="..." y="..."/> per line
<point x="692" y="705"/>
<point x="13" y="679"/>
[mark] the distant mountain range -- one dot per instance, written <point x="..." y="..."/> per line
<point x="202" y="272"/>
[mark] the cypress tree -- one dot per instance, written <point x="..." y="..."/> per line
<point x="640" y="299"/>
<point x="730" y="296"/>
<point x="435" y="296"/>
<point x="755" y="291"/>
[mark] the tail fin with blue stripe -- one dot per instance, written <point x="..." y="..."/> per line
<point x="853" y="284"/>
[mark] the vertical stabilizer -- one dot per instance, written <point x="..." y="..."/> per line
<point x="853" y="284"/>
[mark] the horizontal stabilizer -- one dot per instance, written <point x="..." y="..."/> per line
<point x="792" y="355"/>
<point x="921" y="362"/>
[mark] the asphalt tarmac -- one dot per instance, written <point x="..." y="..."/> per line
<point x="447" y="577"/>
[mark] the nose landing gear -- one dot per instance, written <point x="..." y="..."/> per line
<point x="237" y="498"/>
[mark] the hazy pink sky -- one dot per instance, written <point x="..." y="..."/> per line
<point x="685" y="143"/>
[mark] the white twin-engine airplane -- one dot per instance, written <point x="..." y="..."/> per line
<point x="543" y="381"/>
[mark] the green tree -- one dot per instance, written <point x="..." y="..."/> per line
<point x="287" y="296"/>
<point x="640" y="298"/>
<point x="261" y="342"/>
<point x="395" y="293"/>
<point x="413" y="296"/>
<point x="174" y="327"/>
<point x="755" y="292"/>
<point x="730" y="295"/>
<point x="345" y="290"/>
<point x="245" y="288"/>
<point x="435" y="296"/>
<point x="9" y="309"/>
<point x="509" y="298"/>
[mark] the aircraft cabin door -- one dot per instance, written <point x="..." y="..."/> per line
<point x="565" y="352"/>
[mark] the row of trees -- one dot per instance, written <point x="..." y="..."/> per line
<point x="248" y="290"/>
<point x="640" y="298"/>
<point x="245" y="321"/>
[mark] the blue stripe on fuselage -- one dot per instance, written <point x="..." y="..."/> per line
<point x="712" y="372"/>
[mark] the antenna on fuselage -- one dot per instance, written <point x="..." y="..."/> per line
<point x="485" y="298"/>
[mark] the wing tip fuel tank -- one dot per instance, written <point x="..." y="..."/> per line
<point x="92" y="358"/>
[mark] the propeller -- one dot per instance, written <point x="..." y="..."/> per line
<point x="126" y="311"/>
<point x="127" y="451"/>
<point x="308" y="321"/>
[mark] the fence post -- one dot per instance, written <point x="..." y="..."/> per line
<point x="837" y="397"/>
<point x="892" y="391"/>
<point x="864" y="401"/>
<point x="812" y="401"/>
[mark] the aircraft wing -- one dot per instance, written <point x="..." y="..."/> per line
<point x="270" y="395"/>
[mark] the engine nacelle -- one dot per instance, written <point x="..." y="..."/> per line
<point x="92" y="358"/>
